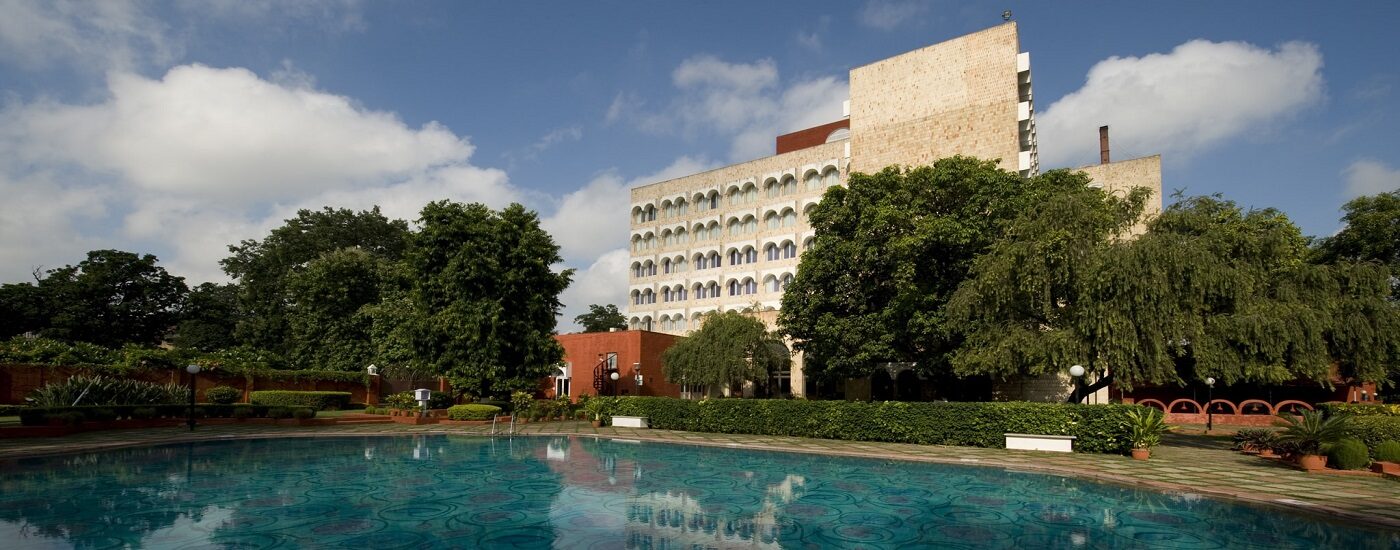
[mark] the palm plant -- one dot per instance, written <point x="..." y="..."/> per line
<point x="1310" y="432"/>
<point x="1146" y="426"/>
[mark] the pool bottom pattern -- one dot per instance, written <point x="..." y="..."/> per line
<point x="453" y="492"/>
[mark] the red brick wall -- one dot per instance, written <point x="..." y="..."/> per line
<point x="632" y="347"/>
<point x="810" y="137"/>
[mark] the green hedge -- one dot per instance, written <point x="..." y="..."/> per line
<point x="472" y="411"/>
<point x="1359" y="409"/>
<point x="245" y="361"/>
<point x="1098" y="428"/>
<point x="1374" y="430"/>
<point x="10" y="410"/>
<point x="319" y="400"/>
<point x="41" y="416"/>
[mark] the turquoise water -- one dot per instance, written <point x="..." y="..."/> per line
<point x="458" y="492"/>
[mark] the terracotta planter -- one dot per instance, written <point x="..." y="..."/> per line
<point x="1387" y="468"/>
<point x="1267" y="453"/>
<point x="1141" y="453"/>
<point x="1313" y="462"/>
<point x="597" y="423"/>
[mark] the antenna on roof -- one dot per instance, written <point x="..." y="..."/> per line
<point x="1006" y="15"/>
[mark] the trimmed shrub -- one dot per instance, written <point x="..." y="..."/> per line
<point x="319" y="400"/>
<point x="1387" y="451"/>
<point x="1256" y="439"/>
<point x="303" y="413"/>
<point x="1373" y="430"/>
<point x="1359" y="409"/>
<point x="244" y="413"/>
<point x="403" y="401"/>
<point x="10" y="410"/>
<point x="440" y="400"/>
<point x="1349" y="454"/>
<point x="279" y="412"/>
<point x="71" y="418"/>
<point x="505" y="406"/>
<point x="143" y="413"/>
<point x="1097" y="428"/>
<point x="472" y="411"/>
<point x="223" y="395"/>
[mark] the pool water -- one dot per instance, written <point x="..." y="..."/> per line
<point x="460" y="492"/>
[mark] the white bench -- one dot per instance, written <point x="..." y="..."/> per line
<point x="1032" y="442"/>
<point x="630" y="422"/>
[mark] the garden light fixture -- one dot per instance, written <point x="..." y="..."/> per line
<point x="193" y="369"/>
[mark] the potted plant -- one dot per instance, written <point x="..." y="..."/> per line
<point x="1146" y="426"/>
<point x="1309" y="434"/>
<point x="1255" y="441"/>
<point x="595" y="408"/>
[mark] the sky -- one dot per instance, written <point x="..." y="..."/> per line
<point x="179" y="128"/>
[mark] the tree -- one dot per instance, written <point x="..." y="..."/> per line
<point x="602" y="319"/>
<point x="208" y="318"/>
<point x="326" y="328"/>
<point x="488" y="297"/>
<point x="889" y="251"/>
<point x="729" y="349"/>
<point x="1371" y="234"/>
<point x="1209" y="291"/>
<point x="22" y="309"/>
<point x="262" y="268"/>
<point x="112" y="298"/>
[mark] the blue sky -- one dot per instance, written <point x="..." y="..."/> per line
<point x="179" y="128"/>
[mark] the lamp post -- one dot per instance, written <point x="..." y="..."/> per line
<point x="1077" y="372"/>
<point x="1210" y="396"/>
<point x="193" y="369"/>
<point x="614" y="376"/>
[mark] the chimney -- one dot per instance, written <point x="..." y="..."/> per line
<point x="1103" y="145"/>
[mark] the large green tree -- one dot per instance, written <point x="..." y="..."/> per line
<point x="208" y="318"/>
<point x="326" y="328"/>
<point x="262" y="267"/>
<point x="1210" y="290"/>
<point x="889" y="251"/>
<point x="1371" y="234"/>
<point x="729" y="349"/>
<point x="112" y="298"/>
<point x="22" y="309"/>
<point x="601" y="318"/>
<point x="488" y="295"/>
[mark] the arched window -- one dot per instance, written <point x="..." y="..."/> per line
<point x="734" y="288"/>
<point x="750" y="194"/>
<point x="789" y="250"/>
<point x="771" y="283"/>
<point x="772" y="188"/>
<point x="831" y="177"/>
<point x="735" y="258"/>
<point x="807" y="244"/>
<point x="734" y="227"/>
<point x="789" y="218"/>
<point x="786" y="280"/>
<point x="714" y="200"/>
<point x="680" y="322"/>
<point x="751" y="287"/>
<point x="771" y="220"/>
<point x="714" y="290"/>
<point x="750" y="255"/>
<point x="770" y="252"/>
<point x="814" y="181"/>
<point x="666" y="294"/>
<point x="735" y="196"/>
<point x="682" y="207"/>
<point x="750" y="224"/>
<point x="714" y="259"/>
<point x="636" y="298"/>
<point x="646" y="323"/>
<point x="680" y="235"/>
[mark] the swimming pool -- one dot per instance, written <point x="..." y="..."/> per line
<point x="537" y="492"/>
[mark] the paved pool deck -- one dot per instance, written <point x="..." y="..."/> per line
<point x="1185" y="464"/>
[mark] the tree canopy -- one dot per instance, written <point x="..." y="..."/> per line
<point x="1210" y="290"/>
<point x="112" y="298"/>
<point x="601" y="318"/>
<point x="889" y="252"/>
<point x="1371" y="234"/>
<point x="326" y="328"/>
<point x="729" y="349"/>
<point x="262" y="267"/>
<point x="488" y="296"/>
<point x="209" y="317"/>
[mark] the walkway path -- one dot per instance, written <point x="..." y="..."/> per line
<point x="1186" y="464"/>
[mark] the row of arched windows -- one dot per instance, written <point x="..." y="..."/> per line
<point x="711" y="289"/>
<point x="701" y="232"/>
<point x="736" y="195"/>
<point x="711" y="260"/>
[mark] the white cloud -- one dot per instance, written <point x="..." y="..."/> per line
<point x="546" y="142"/>
<point x="206" y="157"/>
<point x="887" y="14"/>
<point x="743" y="100"/>
<point x="230" y="135"/>
<point x="1198" y="95"/>
<point x="602" y="282"/>
<point x="95" y="35"/>
<point x="1370" y="177"/>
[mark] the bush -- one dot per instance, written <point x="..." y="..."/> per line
<point x="304" y="413"/>
<point x="279" y="412"/>
<point x="1359" y="409"/>
<point x="520" y="401"/>
<point x="1256" y="439"/>
<point x="440" y="400"/>
<point x="1097" y="428"/>
<point x="319" y="400"/>
<point x="1387" y="451"/>
<point x="46" y="351"/>
<point x="103" y="390"/>
<point x="472" y="411"/>
<point x="1374" y="430"/>
<point x="1349" y="454"/>
<point x="101" y="415"/>
<point x="143" y="413"/>
<point x="243" y="413"/>
<point x="505" y="406"/>
<point x="71" y="418"/>
<point x="10" y="410"/>
<point x="223" y="395"/>
<point x="403" y="401"/>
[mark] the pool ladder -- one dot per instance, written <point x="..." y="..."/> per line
<point x="493" y="425"/>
